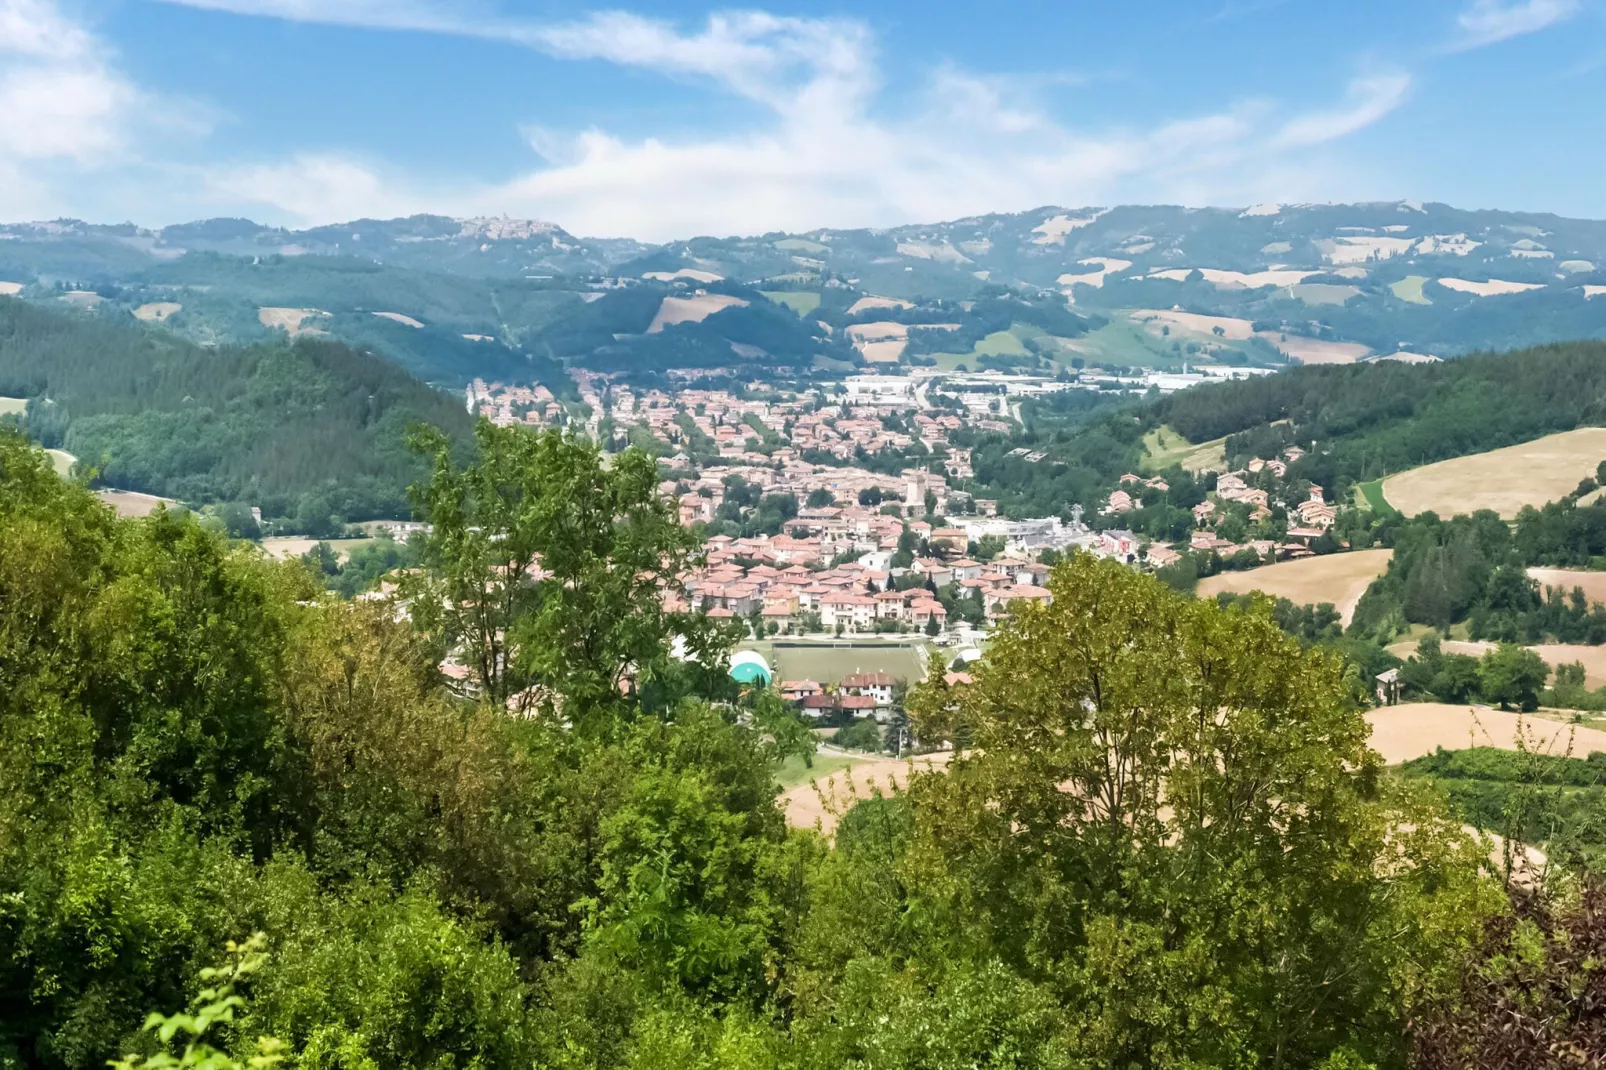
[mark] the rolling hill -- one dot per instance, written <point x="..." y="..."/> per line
<point x="1150" y="285"/>
<point x="303" y="429"/>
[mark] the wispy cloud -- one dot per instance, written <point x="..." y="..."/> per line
<point x="1489" y="21"/>
<point x="1368" y="99"/>
<point x="826" y="148"/>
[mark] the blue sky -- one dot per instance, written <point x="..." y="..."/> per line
<point x="659" y="120"/>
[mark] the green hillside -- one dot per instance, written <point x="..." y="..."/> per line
<point x="304" y="430"/>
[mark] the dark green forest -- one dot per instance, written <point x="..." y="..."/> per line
<point x="307" y="430"/>
<point x="1163" y="841"/>
<point x="1370" y="420"/>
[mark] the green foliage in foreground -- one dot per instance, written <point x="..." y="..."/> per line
<point x="1556" y="800"/>
<point x="196" y="745"/>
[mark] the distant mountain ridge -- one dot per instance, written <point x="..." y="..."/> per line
<point x="1154" y="286"/>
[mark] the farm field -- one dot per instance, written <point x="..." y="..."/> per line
<point x="131" y="502"/>
<point x="63" y="462"/>
<point x="1592" y="658"/>
<point x="1414" y="729"/>
<point x="1410" y="289"/>
<point x="1125" y="343"/>
<point x="1164" y="447"/>
<point x="1593" y="583"/>
<point x="13" y="406"/>
<point x="807" y="806"/>
<point x="1000" y="344"/>
<point x="800" y="301"/>
<point x="283" y="547"/>
<point x="828" y="663"/>
<point x="1370" y="496"/>
<point x="1504" y="480"/>
<point x="793" y="772"/>
<point x="1337" y="578"/>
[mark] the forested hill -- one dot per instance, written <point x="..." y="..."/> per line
<point x="1373" y="419"/>
<point x="304" y="429"/>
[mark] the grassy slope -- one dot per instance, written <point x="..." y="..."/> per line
<point x="800" y="301"/>
<point x="1163" y="447"/>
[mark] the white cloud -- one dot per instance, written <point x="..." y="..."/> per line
<point x="1369" y="99"/>
<point x="825" y="150"/>
<point x="67" y="112"/>
<point x="1489" y="21"/>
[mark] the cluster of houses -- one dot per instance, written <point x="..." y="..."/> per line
<point x="856" y="596"/>
<point x="859" y="694"/>
<point x="1309" y="519"/>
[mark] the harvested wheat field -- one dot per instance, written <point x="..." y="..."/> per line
<point x="1337" y="578"/>
<point x="1504" y="480"/>
<point x="397" y="317"/>
<point x="131" y="503"/>
<point x="865" y="304"/>
<point x="157" y="311"/>
<point x="1232" y="329"/>
<point x="1492" y="288"/>
<point x="693" y="309"/>
<point x="10" y="289"/>
<point x="1414" y="729"/>
<point x="879" y="331"/>
<point x="1593" y="583"/>
<point x="1592" y="658"/>
<point x="683" y="273"/>
<point x="1316" y="350"/>
<point x="823" y="803"/>
<point x="290" y="319"/>
<point x="886" y="352"/>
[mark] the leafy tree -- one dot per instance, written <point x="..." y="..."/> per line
<point x="214" y="1006"/>
<point x="820" y="498"/>
<point x="1512" y="676"/>
<point x="545" y="570"/>
<point x="1148" y="775"/>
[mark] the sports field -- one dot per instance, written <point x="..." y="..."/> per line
<point x="827" y="663"/>
<point x="1504" y="480"/>
<point x="1337" y="578"/>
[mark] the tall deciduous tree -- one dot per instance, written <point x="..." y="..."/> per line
<point x="1170" y="818"/>
<point x="546" y="570"/>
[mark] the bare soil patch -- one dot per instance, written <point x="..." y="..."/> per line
<point x="1504" y="480"/>
<point x="397" y="317"/>
<point x="10" y="289"/>
<point x="1337" y="578"/>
